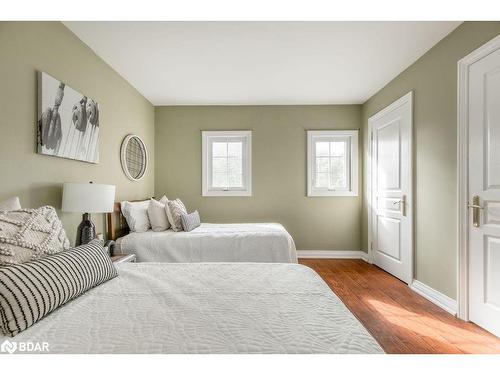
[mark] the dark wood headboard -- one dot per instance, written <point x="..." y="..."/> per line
<point x="116" y="224"/>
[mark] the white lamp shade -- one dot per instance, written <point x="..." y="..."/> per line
<point x="88" y="198"/>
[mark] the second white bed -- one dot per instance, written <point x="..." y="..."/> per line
<point x="254" y="242"/>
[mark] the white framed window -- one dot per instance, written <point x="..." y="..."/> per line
<point x="226" y="163"/>
<point x="332" y="163"/>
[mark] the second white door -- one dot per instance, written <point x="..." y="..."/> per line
<point x="391" y="232"/>
<point x="484" y="190"/>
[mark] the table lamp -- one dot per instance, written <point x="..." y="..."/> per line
<point x="87" y="198"/>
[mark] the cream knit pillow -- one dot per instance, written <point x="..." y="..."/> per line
<point x="28" y="234"/>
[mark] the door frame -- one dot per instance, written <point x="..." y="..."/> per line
<point x="407" y="98"/>
<point x="463" y="172"/>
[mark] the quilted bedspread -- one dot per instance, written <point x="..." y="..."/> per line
<point x="205" y="308"/>
<point x="242" y="242"/>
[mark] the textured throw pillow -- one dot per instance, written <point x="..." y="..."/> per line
<point x="28" y="234"/>
<point x="174" y="211"/>
<point x="190" y="221"/>
<point x="136" y="214"/>
<point x="158" y="215"/>
<point x="10" y="204"/>
<point x="31" y="291"/>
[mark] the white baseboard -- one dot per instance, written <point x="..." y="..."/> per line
<point x="333" y="254"/>
<point x="446" y="303"/>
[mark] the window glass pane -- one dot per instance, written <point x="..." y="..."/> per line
<point x="226" y="169"/>
<point x="219" y="180"/>
<point x="235" y="166"/>
<point x="235" y="180"/>
<point x="219" y="149"/>
<point x="219" y="165"/>
<point x="227" y="164"/>
<point x="322" y="149"/>
<point x="322" y="164"/>
<point x="337" y="148"/>
<point x="235" y="149"/>
<point x="338" y="172"/>
<point x="321" y="180"/>
<point x="331" y="163"/>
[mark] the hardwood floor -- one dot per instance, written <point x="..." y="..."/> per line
<point x="400" y="320"/>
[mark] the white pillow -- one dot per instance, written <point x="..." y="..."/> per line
<point x="10" y="204"/>
<point x="136" y="214"/>
<point x="157" y="214"/>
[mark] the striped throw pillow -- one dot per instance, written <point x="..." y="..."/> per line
<point x="31" y="291"/>
<point x="190" y="221"/>
<point x="175" y="209"/>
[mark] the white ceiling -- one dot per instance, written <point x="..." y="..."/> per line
<point x="206" y="63"/>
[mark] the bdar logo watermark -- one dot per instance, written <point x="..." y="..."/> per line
<point x="8" y="347"/>
<point x="12" y="347"/>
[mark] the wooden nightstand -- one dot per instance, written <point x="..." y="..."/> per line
<point x="123" y="258"/>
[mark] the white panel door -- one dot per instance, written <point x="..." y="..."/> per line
<point x="390" y="188"/>
<point x="484" y="192"/>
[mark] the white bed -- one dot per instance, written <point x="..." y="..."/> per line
<point x="265" y="242"/>
<point x="205" y="308"/>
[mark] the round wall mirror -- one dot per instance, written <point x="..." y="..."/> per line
<point x="134" y="157"/>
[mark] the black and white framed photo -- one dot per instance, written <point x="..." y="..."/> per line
<point x="68" y="122"/>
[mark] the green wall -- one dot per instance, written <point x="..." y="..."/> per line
<point x="434" y="81"/>
<point x="173" y="136"/>
<point x="278" y="169"/>
<point x="26" y="47"/>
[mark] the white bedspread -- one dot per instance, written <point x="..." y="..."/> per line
<point x="205" y="308"/>
<point x="267" y="243"/>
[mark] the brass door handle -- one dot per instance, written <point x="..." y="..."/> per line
<point x="476" y="206"/>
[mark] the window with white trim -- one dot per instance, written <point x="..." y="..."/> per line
<point x="332" y="163"/>
<point x="227" y="163"/>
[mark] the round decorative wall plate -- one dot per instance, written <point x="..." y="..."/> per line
<point x="134" y="157"/>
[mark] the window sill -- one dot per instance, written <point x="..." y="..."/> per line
<point x="328" y="193"/>
<point x="226" y="193"/>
